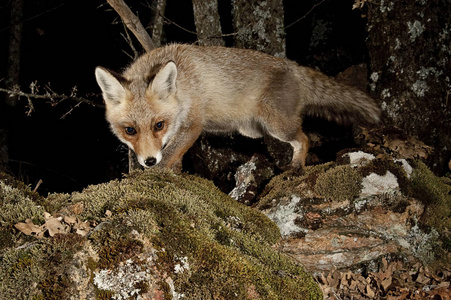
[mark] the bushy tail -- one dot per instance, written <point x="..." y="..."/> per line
<point x="329" y="99"/>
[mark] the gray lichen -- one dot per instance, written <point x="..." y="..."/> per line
<point x="415" y="29"/>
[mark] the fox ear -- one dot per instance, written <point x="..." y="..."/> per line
<point x="111" y="86"/>
<point x="164" y="82"/>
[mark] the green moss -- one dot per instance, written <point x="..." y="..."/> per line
<point x="56" y="202"/>
<point x="435" y="193"/>
<point x="19" y="269"/>
<point x="339" y="184"/>
<point x="227" y="245"/>
<point x="104" y="295"/>
<point x="40" y="268"/>
<point x="281" y="186"/>
<point x="114" y="245"/>
<point x="16" y="184"/>
<point x="18" y="203"/>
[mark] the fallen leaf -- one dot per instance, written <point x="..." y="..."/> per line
<point x="386" y="283"/>
<point x="443" y="292"/>
<point x="77" y="208"/>
<point x="369" y="292"/>
<point x="54" y="226"/>
<point x="82" y="228"/>
<point x="29" y="228"/>
<point x="422" y="278"/>
<point x="70" y="220"/>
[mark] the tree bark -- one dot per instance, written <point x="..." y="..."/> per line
<point x="260" y="26"/>
<point x="132" y="22"/>
<point x="157" y="22"/>
<point x="409" y="46"/>
<point x="12" y="78"/>
<point x="15" y="40"/>
<point x="208" y="27"/>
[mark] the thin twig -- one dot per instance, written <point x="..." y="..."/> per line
<point x="129" y="41"/>
<point x="304" y="16"/>
<point x="54" y="98"/>
<point x="37" y="185"/>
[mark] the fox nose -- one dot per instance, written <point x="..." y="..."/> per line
<point x="150" y="161"/>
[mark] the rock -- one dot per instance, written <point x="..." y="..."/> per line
<point x="348" y="216"/>
<point x="217" y="157"/>
<point x="250" y="178"/>
<point x="374" y="184"/>
<point x="152" y="235"/>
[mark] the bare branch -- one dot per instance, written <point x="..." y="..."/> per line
<point x="169" y="21"/>
<point x="304" y="16"/>
<point x="129" y="41"/>
<point x="132" y="22"/>
<point x="53" y="98"/>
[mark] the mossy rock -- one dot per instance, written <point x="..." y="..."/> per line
<point x="227" y="246"/>
<point x="435" y="193"/>
<point x="340" y="183"/>
<point x="287" y="184"/>
<point x="17" y="203"/>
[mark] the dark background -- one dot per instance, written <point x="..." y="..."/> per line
<point x="63" y="41"/>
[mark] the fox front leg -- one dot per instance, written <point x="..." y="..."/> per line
<point x="172" y="154"/>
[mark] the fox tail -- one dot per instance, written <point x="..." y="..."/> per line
<point x="331" y="100"/>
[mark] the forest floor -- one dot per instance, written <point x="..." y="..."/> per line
<point x="395" y="281"/>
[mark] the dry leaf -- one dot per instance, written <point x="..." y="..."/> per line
<point x="77" y="208"/>
<point x="70" y="220"/>
<point x="29" y="228"/>
<point x="386" y="283"/>
<point x="82" y="228"/>
<point x="54" y="226"/>
<point x="444" y="293"/>
<point x="369" y="291"/>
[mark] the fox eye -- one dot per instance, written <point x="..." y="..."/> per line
<point x="159" y="125"/>
<point x="130" y="130"/>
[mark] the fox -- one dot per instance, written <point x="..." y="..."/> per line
<point x="162" y="102"/>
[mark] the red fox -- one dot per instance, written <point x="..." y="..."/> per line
<point x="164" y="100"/>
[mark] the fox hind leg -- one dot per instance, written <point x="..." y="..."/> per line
<point x="300" y="149"/>
<point x="291" y="132"/>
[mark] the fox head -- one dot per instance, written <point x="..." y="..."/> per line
<point x="142" y="109"/>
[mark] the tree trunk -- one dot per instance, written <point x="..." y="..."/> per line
<point x="260" y="26"/>
<point x="15" y="40"/>
<point x="12" y="78"/>
<point x="208" y="27"/>
<point x="409" y="45"/>
<point x="157" y="21"/>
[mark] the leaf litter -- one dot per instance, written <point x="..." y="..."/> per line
<point x="394" y="281"/>
<point x="54" y="225"/>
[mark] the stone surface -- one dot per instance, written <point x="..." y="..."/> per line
<point x="250" y="179"/>
<point x="324" y="230"/>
